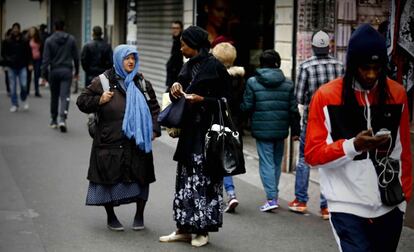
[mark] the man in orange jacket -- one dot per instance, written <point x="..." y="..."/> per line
<point x="358" y="136"/>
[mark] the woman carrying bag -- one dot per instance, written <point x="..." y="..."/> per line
<point x="121" y="162"/>
<point x="198" y="199"/>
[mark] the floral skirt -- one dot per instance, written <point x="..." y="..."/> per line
<point x="198" y="202"/>
<point x="117" y="194"/>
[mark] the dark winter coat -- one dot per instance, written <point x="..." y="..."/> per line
<point x="114" y="157"/>
<point x="211" y="82"/>
<point x="16" y="52"/>
<point x="60" y="51"/>
<point x="175" y="62"/>
<point x="96" y="57"/>
<point x="269" y="96"/>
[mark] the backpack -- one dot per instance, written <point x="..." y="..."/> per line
<point x="93" y="118"/>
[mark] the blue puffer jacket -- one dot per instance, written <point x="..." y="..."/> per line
<point x="269" y="96"/>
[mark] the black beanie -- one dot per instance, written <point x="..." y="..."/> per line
<point x="195" y="37"/>
<point x="366" y="45"/>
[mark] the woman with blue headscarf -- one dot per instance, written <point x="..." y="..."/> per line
<point x="121" y="162"/>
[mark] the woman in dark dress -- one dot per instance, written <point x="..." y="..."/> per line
<point x="198" y="199"/>
<point x="121" y="162"/>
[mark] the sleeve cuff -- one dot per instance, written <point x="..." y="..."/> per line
<point x="349" y="148"/>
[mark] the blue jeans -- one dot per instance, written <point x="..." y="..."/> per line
<point x="270" y="160"/>
<point x="13" y="75"/>
<point x="229" y="185"/>
<point x="302" y="174"/>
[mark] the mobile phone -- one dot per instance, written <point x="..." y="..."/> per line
<point x="382" y="132"/>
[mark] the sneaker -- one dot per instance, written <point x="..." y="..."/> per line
<point x="25" y="105"/>
<point x="199" y="240"/>
<point x="13" y="108"/>
<point x="325" y="213"/>
<point x="269" y="205"/>
<point x="38" y="95"/>
<point x="115" y="225"/>
<point x="231" y="205"/>
<point x="297" y="206"/>
<point x="53" y="124"/>
<point x="62" y="127"/>
<point x="173" y="237"/>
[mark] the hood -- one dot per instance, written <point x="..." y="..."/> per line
<point x="270" y="77"/>
<point x="61" y="37"/>
<point x="236" y="71"/>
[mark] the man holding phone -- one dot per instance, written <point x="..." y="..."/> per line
<point x="342" y="141"/>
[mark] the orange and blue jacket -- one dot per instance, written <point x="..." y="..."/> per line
<point x="348" y="178"/>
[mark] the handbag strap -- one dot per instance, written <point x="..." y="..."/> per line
<point x="228" y="113"/>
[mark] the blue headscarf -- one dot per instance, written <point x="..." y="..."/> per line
<point x="137" y="118"/>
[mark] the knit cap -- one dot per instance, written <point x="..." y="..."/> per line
<point x="195" y="37"/>
<point x="366" y="46"/>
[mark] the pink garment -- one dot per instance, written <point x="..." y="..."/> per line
<point x="35" y="49"/>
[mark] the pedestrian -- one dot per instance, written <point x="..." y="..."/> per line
<point x="36" y="47"/>
<point x="175" y="62"/>
<point x="96" y="56"/>
<point x="270" y="98"/>
<point x="17" y="58"/>
<point x="59" y="55"/>
<point x="121" y="163"/>
<point x="357" y="168"/>
<point x="312" y="73"/>
<point x="226" y="53"/>
<point x="198" y="198"/>
<point x="3" y="65"/>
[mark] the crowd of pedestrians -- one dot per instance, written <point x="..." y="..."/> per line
<point x="343" y="110"/>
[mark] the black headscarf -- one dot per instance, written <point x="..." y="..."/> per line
<point x="196" y="37"/>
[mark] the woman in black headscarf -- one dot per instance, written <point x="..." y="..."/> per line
<point x="198" y="199"/>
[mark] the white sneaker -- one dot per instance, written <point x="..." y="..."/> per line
<point x="174" y="237"/>
<point x="25" y="105"/>
<point x="199" y="240"/>
<point x="13" y="108"/>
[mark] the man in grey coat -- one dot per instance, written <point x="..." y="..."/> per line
<point x="60" y="55"/>
<point x="270" y="98"/>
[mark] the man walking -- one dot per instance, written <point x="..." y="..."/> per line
<point x="359" y="138"/>
<point x="175" y="62"/>
<point x="96" y="56"/>
<point x="17" y="59"/>
<point x="269" y="96"/>
<point x="313" y="72"/>
<point x="59" y="55"/>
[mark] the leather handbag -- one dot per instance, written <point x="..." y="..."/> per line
<point x="171" y="116"/>
<point x="223" y="148"/>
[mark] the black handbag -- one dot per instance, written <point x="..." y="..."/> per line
<point x="389" y="185"/>
<point x="223" y="149"/>
<point x="171" y="116"/>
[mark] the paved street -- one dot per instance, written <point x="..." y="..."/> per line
<point x="43" y="186"/>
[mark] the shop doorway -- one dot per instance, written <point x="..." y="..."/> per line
<point x="70" y="11"/>
<point x="249" y="25"/>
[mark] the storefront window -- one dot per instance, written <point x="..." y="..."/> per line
<point x="248" y="25"/>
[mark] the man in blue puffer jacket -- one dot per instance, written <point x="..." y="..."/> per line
<point x="270" y="98"/>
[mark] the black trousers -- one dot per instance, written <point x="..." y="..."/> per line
<point x="368" y="234"/>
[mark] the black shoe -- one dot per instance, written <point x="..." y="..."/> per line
<point x="138" y="224"/>
<point x="115" y="225"/>
<point x="62" y="127"/>
<point x="53" y="124"/>
<point x="38" y="95"/>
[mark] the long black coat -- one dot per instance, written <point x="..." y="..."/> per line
<point x="212" y="82"/>
<point x="115" y="158"/>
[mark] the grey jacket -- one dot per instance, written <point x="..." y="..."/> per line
<point x="60" y="51"/>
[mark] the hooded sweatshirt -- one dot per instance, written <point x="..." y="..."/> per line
<point x="60" y="51"/>
<point x="269" y="96"/>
